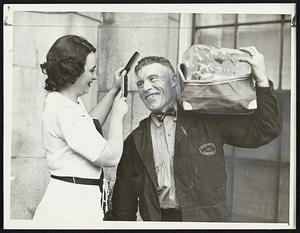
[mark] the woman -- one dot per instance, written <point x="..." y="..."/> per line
<point x="76" y="151"/>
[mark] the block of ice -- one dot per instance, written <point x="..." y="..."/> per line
<point x="215" y="82"/>
<point x="210" y="64"/>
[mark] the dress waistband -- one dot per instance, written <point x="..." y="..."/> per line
<point x="79" y="180"/>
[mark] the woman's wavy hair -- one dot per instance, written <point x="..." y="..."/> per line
<point x="65" y="61"/>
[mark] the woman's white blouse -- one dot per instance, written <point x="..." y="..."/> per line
<point x="70" y="137"/>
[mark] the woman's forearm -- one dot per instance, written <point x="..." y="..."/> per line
<point x="102" y="109"/>
<point x="112" y="151"/>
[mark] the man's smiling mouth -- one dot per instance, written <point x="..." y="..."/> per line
<point x="151" y="96"/>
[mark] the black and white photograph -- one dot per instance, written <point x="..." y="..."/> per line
<point x="149" y="116"/>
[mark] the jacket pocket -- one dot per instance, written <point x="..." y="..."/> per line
<point x="208" y="165"/>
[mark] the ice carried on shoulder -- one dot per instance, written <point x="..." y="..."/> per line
<point x="216" y="81"/>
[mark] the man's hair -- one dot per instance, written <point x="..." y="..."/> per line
<point x="65" y="61"/>
<point x="150" y="60"/>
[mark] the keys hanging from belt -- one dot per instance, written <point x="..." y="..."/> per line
<point x="104" y="196"/>
<point x="104" y="189"/>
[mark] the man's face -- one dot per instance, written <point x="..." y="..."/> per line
<point x="156" y="85"/>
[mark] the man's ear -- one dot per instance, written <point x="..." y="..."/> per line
<point x="174" y="80"/>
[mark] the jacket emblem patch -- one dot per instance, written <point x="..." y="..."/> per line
<point x="208" y="149"/>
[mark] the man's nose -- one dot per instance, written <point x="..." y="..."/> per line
<point x="147" y="84"/>
<point x="94" y="77"/>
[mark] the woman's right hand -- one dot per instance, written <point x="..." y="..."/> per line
<point x="120" y="106"/>
<point x="119" y="73"/>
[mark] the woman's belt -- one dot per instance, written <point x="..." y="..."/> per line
<point x="79" y="180"/>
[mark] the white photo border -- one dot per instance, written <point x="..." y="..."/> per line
<point x="8" y="9"/>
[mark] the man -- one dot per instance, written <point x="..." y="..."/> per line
<point x="172" y="167"/>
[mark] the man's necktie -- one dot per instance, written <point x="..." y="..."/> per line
<point x="170" y="112"/>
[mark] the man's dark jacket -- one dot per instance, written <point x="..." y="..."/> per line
<point x="199" y="164"/>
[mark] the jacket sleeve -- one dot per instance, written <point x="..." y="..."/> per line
<point x="124" y="198"/>
<point x="256" y="129"/>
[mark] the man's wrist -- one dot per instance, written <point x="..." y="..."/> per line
<point x="263" y="83"/>
<point x="262" y="80"/>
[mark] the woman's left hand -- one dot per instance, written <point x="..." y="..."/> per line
<point x="118" y="78"/>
